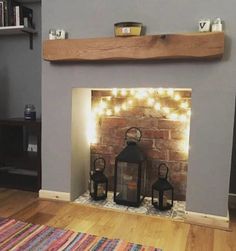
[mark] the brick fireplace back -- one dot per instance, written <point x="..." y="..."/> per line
<point x="163" y="135"/>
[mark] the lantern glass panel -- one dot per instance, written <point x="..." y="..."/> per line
<point x="167" y="198"/>
<point x="155" y="197"/>
<point x="98" y="190"/>
<point x="162" y="199"/>
<point x="127" y="181"/>
<point x="143" y="179"/>
<point x="101" y="189"/>
<point x="92" y="187"/>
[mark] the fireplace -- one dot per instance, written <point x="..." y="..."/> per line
<point x="162" y="115"/>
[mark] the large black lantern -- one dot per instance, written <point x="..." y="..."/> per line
<point x="130" y="171"/>
<point x="162" y="190"/>
<point x="98" y="181"/>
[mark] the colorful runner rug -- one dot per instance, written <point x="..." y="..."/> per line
<point x="18" y="236"/>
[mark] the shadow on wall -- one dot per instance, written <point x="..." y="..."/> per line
<point x="4" y="93"/>
<point x="232" y="188"/>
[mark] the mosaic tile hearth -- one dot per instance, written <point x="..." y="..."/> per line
<point x="146" y="208"/>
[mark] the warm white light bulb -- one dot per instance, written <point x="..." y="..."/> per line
<point x="117" y="109"/>
<point x="170" y="91"/>
<point x="157" y="106"/>
<point x="184" y="105"/>
<point x="108" y="112"/>
<point x="130" y="102"/>
<point x="151" y="90"/>
<point x="183" y="118"/>
<point x="189" y="113"/>
<point x="166" y="110"/>
<point x="123" y="92"/>
<point x="173" y="116"/>
<point x="132" y="91"/>
<point x="114" y="92"/>
<point x="124" y="106"/>
<point x="161" y="91"/>
<point x="103" y="104"/>
<point x="151" y="101"/>
<point x="177" y="97"/>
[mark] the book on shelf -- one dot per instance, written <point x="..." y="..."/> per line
<point x="8" y="12"/>
<point x="23" y="15"/>
<point x="13" y="13"/>
<point x="1" y="14"/>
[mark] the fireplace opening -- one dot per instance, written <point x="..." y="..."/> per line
<point x="163" y="117"/>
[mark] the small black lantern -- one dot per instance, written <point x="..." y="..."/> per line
<point x="98" y="181"/>
<point x="130" y="171"/>
<point x="162" y="191"/>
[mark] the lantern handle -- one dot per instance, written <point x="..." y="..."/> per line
<point x="159" y="170"/>
<point x="95" y="161"/>
<point x="136" y="128"/>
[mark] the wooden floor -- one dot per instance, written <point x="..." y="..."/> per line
<point x="166" y="234"/>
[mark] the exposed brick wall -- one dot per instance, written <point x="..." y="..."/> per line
<point x="161" y="140"/>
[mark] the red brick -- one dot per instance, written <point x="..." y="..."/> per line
<point x="113" y="141"/>
<point x="185" y="94"/>
<point x="178" y="156"/>
<point x="178" y="178"/>
<point x="170" y="124"/>
<point x="143" y="122"/>
<point x="109" y="122"/>
<point x="148" y="133"/>
<point x="101" y="149"/>
<point x="119" y="132"/>
<point x="161" y="134"/>
<point x="135" y="112"/>
<point x="174" y="166"/>
<point x="155" y="154"/>
<point x="146" y="144"/>
<point x="155" y="134"/>
<point x="177" y="134"/>
<point x="173" y="145"/>
<point x="100" y="93"/>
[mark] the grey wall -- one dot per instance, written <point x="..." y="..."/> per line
<point x="232" y="189"/>
<point x="20" y="71"/>
<point x="213" y="85"/>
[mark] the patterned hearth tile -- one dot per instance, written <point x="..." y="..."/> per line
<point x="146" y="207"/>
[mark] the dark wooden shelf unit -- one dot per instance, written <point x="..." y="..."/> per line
<point x="20" y="154"/>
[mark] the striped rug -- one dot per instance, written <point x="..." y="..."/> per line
<point x="19" y="236"/>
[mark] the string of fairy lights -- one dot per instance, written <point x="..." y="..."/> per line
<point x="167" y="102"/>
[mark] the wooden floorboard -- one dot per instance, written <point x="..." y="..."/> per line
<point x="166" y="234"/>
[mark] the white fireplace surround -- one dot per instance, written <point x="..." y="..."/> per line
<point x="65" y="144"/>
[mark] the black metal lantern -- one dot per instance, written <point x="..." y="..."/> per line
<point x="130" y="172"/>
<point x="98" y="181"/>
<point x="162" y="190"/>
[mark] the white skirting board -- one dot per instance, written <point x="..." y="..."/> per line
<point x="207" y="220"/>
<point x="46" y="194"/>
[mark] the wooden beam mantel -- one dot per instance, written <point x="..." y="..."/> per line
<point x="152" y="47"/>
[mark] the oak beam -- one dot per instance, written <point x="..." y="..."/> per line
<point x="152" y="47"/>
